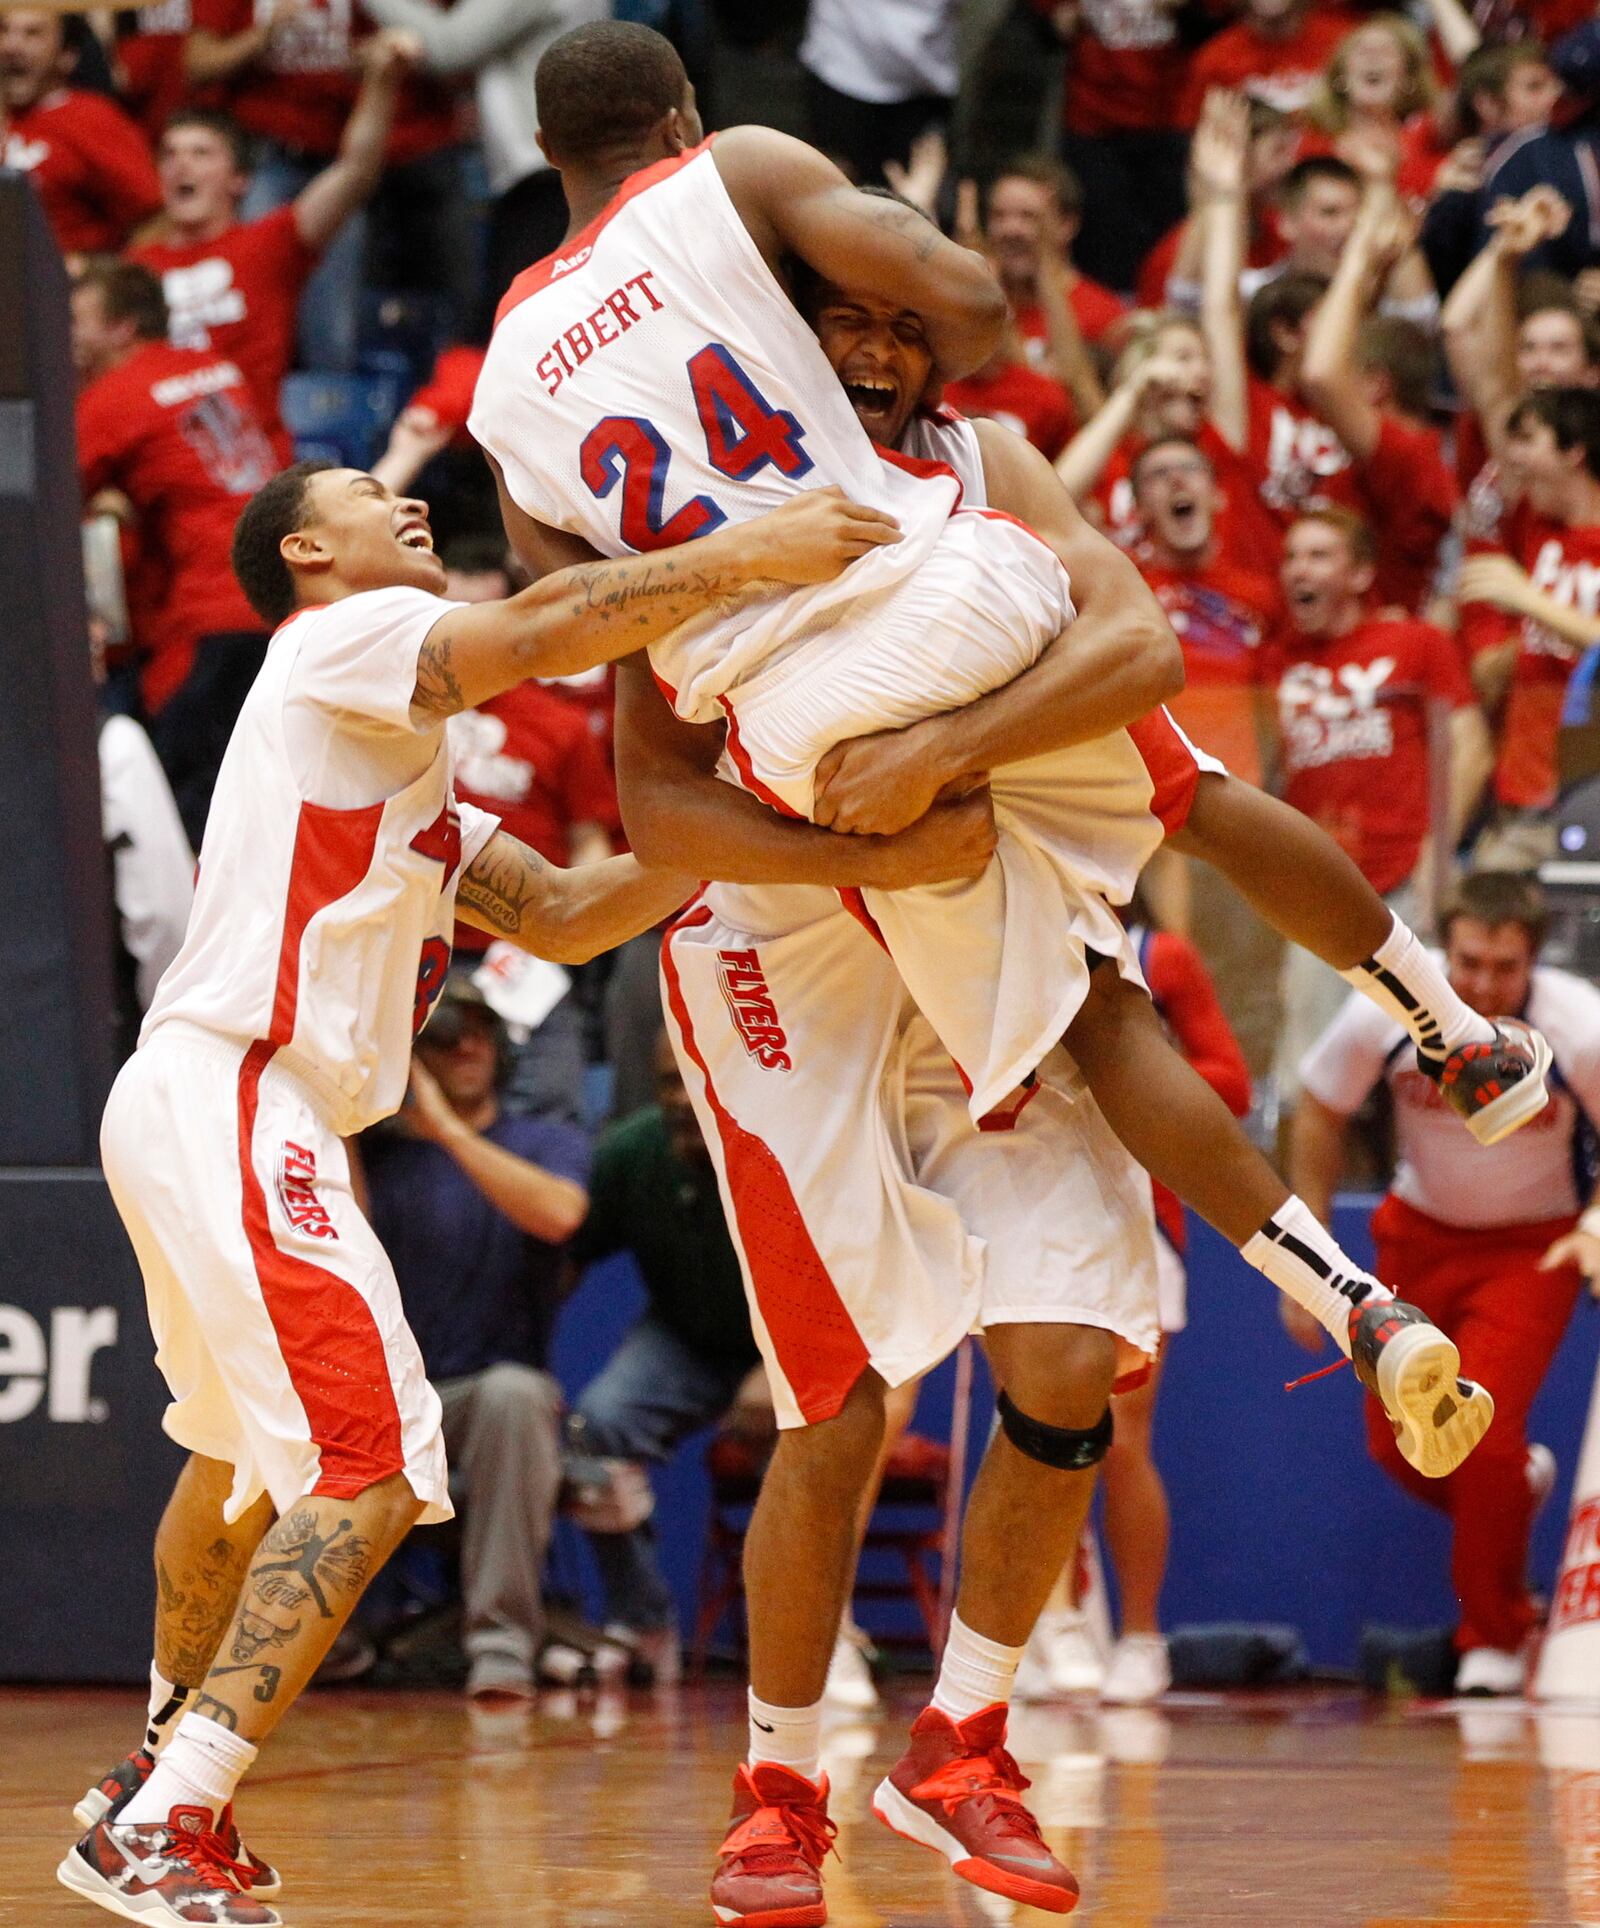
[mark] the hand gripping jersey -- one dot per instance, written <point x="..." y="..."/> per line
<point x="325" y="900"/>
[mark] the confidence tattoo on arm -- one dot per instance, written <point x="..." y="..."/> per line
<point x="626" y="592"/>
<point x="437" y="694"/>
<point x="503" y="883"/>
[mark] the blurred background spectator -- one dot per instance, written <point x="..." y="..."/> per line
<point x="473" y="1205"/>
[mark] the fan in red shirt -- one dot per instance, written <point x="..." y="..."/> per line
<point x="90" y="163"/>
<point x="1273" y="142"/>
<point x="1164" y="388"/>
<point x="1221" y="610"/>
<point x="1024" y="399"/>
<point x="1374" y="105"/>
<point x="234" y="285"/>
<point x="1276" y="52"/>
<point x="1550" y="583"/>
<point x="1353" y="698"/>
<point x="174" y="431"/>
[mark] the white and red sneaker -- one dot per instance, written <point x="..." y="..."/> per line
<point x="1413" y="1370"/>
<point x="956" y="1790"/>
<point x="176" y="1870"/>
<point x="770" y="1872"/>
<point x="109" y="1796"/>
<point x="1495" y="1088"/>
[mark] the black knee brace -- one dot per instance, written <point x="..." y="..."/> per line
<point x="1059" y="1446"/>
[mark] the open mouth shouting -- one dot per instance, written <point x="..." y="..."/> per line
<point x="414" y="533"/>
<point x="876" y="401"/>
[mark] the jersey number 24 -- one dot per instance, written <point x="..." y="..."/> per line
<point x="743" y="434"/>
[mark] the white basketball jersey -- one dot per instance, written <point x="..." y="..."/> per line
<point x="653" y="381"/>
<point x="325" y="900"/>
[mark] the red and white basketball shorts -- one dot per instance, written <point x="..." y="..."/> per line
<point x="875" y="1224"/>
<point x="276" y="1314"/>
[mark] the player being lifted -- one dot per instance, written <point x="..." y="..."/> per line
<point x="335" y="859"/>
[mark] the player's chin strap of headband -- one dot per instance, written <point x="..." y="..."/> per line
<point x="1063" y="1447"/>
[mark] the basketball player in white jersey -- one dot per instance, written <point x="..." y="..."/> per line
<point x="336" y="857"/>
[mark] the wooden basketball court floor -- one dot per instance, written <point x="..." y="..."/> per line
<point x="1293" y="1809"/>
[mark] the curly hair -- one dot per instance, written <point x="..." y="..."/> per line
<point x="1330" y="106"/>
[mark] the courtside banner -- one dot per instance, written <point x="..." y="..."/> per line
<point x="1569" y="1665"/>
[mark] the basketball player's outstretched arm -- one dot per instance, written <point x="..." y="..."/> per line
<point x="1112" y="665"/>
<point x="598" y="611"/>
<point x="567" y="916"/>
<point x="677" y="811"/>
<point x="794" y="201"/>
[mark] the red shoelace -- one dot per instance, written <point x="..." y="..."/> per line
<point x="809" y="1829"/>
<point x="208" y="1855"/>
<point x="993" y="1776"/>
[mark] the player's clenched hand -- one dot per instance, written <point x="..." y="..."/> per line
<point x="953" y="841"/>
<point x="816" y="535"/>
<point x="875" y="785"/>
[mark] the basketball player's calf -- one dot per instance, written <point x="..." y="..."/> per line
<point x="956" y="1789"/>
<point x="1177" y="1127"/>
<point x="201" y="1562"/>
<point x="171" y="1850"/>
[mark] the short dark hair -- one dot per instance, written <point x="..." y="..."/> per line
<point x="1496" y="897"/>
<point x="1356" y="532"/>
<point x="1166" y="442"/>
<point x="1316" y="167"/>
<point x="604" y="86"/>
<point x="1286" y="298"/>
<point x="224" y="126"/>
<point x="1045" y="171"/>
<point x="1488" y="70"/>
<point x="128" y="292"/>
<point x="1572" y="416"/>
<point x="1544" y="292"/>
<point x="1404" y="352"/>
<point x="272" y="513"/>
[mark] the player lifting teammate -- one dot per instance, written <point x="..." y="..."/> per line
<point x="614" y="102"/>
<point x="335" y="859"/>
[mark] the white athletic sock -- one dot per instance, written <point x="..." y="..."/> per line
<point x="975" y="1672"/>
<point x="167" y="1702"/>
<point x="1402" y="979"/>
<point x="200" y="1768"/>
<point x="1300" y="1258"/>
<point x="788" y="1736"/>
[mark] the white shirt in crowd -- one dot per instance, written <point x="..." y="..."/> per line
<point x="890" y="50"/>
<point x="1541" y="1172"/>
<point x="152" y="866"/>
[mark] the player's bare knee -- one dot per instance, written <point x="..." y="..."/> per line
<point x="837" y="1452"/>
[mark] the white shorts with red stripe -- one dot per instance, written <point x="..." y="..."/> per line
<point x="276" y="1314"/>
<point x="875" y="1224"/>
<point x="1172" y="1284"/>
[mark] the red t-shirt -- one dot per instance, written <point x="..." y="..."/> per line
<point x="1284" y="73"/>
<point x="1353" y="713"/>
<point x="1484" y="527"/>
<point x="300" y="92"/>
<point x="238" y="296"/>
<point x="1182" y="992"/>
<point x="91" y="165"/>
<point x="1223" y="616"/>
<point x="1023" y="399"/>
<point x="1124" y="67"/>
<point x="177" y="432"/>
<point x="1419" y="155"/>
<point x="1405" y="493"/>
<point x="530" y="758"/>
<point x="1245" y="533"/>
<point x="1094" y="308"/>
<point x="1564" y="563"/>
<point x="1265" y="249"/>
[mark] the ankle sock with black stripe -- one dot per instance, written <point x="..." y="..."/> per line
<point x="1404" y="979"/>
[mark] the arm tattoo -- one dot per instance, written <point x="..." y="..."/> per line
<point x="502" y="883"/>
<point x="923" y="238"/>
<point x="625" y="593"/>
<point x="437" y="694"/>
